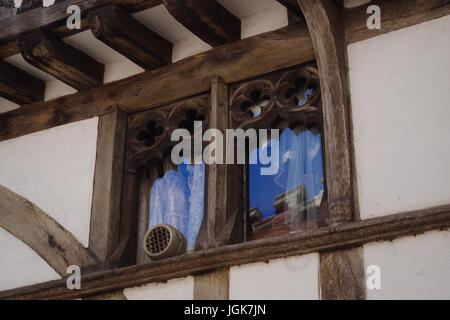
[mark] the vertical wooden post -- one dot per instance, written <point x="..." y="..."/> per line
<point x="105" y="214"/>
<point x="212" y="286"/>
<point x="222" y="224"/>
<point x="342" y="275"/>
<point x="341" y="272"/>
<point x="324" y="22"/>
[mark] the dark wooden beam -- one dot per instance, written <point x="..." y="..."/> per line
<point x="212" y="285"/>
<point x="350" y="235"/>
<point x="58" y="247"/>
<point x="395" y="14"/>
<point x="119" y="30"/>
<point x="18" y="86"/>
<point x="28" y="5"/>
<point x="342" y="275"/>
<point x="55" y="16"/>
<point x="61" y="60"/>
<point x="234" y="62"/>
<point x="292" y="6"/>
<point x="53" y="19"/>
<point x="324" y="22"/>
<point x="222" y="224"/>
<point x="207" y="19"/>
<point x="109" y="164"/>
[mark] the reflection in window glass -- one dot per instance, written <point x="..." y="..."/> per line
<point x="177" y="199"/>
<point x="290" y="199"/>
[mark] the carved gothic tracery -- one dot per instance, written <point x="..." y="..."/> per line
<point x="292" y="98"/>
<point x="149" y="133"/>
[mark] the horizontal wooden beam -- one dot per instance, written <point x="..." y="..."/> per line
<point x="61" y="60"/>
<point x="42" y="18"/>
<point x="323" y="240"/>
<point x="53" y="20"/>
<point x="395" y="15"/>
<point x="234" y="62"/>
<point x="207" y="19"/>
<point x="119" y="30"/>
<point x="18" y="86"/>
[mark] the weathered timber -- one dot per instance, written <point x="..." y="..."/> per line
<point x="64" y="62"/>
<point x="119" y="30"/>
<point x="234" y="62"/>
<point x="18" y="86"/>
<point x="208" y="20"/>
<point x="349" y="235"/>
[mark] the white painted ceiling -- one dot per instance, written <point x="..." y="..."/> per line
<point x="246" y="8"/>
<point x="159" y="20"/>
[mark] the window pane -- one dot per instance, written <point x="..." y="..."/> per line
<point x="290" y="199"/>
<point x="177" y="199"/>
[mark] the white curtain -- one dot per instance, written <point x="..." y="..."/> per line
<point x="177" y="199"/>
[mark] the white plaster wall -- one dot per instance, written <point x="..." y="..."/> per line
<point x="257" y="16"/>
<point x="54" y="169"/>
<point x="176" y="289"/>
<point x="19" y="265"/>
<point x="400" y="92"/>
<point x="294" y="278"/>
<point x="412" y="267"/>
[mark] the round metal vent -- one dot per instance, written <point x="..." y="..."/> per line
<point x="164" y="241"/>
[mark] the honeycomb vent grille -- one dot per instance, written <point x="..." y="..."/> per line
<point x="164" y="241"/>
<point x="158" y="240"/>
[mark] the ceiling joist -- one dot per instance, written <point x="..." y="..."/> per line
<point x="207" y="19"/>
<point x="53" y="20"/>
<point x="119" y="30"/>
<point x="64" y="62"/>
<point x="18" y="86"/>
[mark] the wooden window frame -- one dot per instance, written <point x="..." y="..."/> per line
<point x="331" y="30"/>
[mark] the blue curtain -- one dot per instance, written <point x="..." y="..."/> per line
<point x="177" y="199"/>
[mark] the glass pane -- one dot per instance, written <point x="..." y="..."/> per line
<point x="290" y="199"/>
<point x="177" y="199"/>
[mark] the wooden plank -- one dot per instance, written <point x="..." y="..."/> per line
<point x="64" y="62"/>
<point x="234" y="62"/>
<point x="53" y="19"/>
<point x="212" y="285"/>
<point x="118" y="295"/>
<point x="119" y="30"/>
<point x="208" y="20"/>
<point x="323" y="18"/>
<point x="395" y="15"/>
<point x="353" y="234"/>
<point x="342" y="275"/>
<point x="57" y="246"/>
<point x="220" y="226"/>
<point x="105" y="215"/>
<point x="18" y="86"/>
<point x="145" y="183"/>
<point x="128" y="219"/>
<point x="56" y="15"/>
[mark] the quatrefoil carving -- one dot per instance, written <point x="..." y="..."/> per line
<point x="149" y="133"/>
<point x="292" y="97"/>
